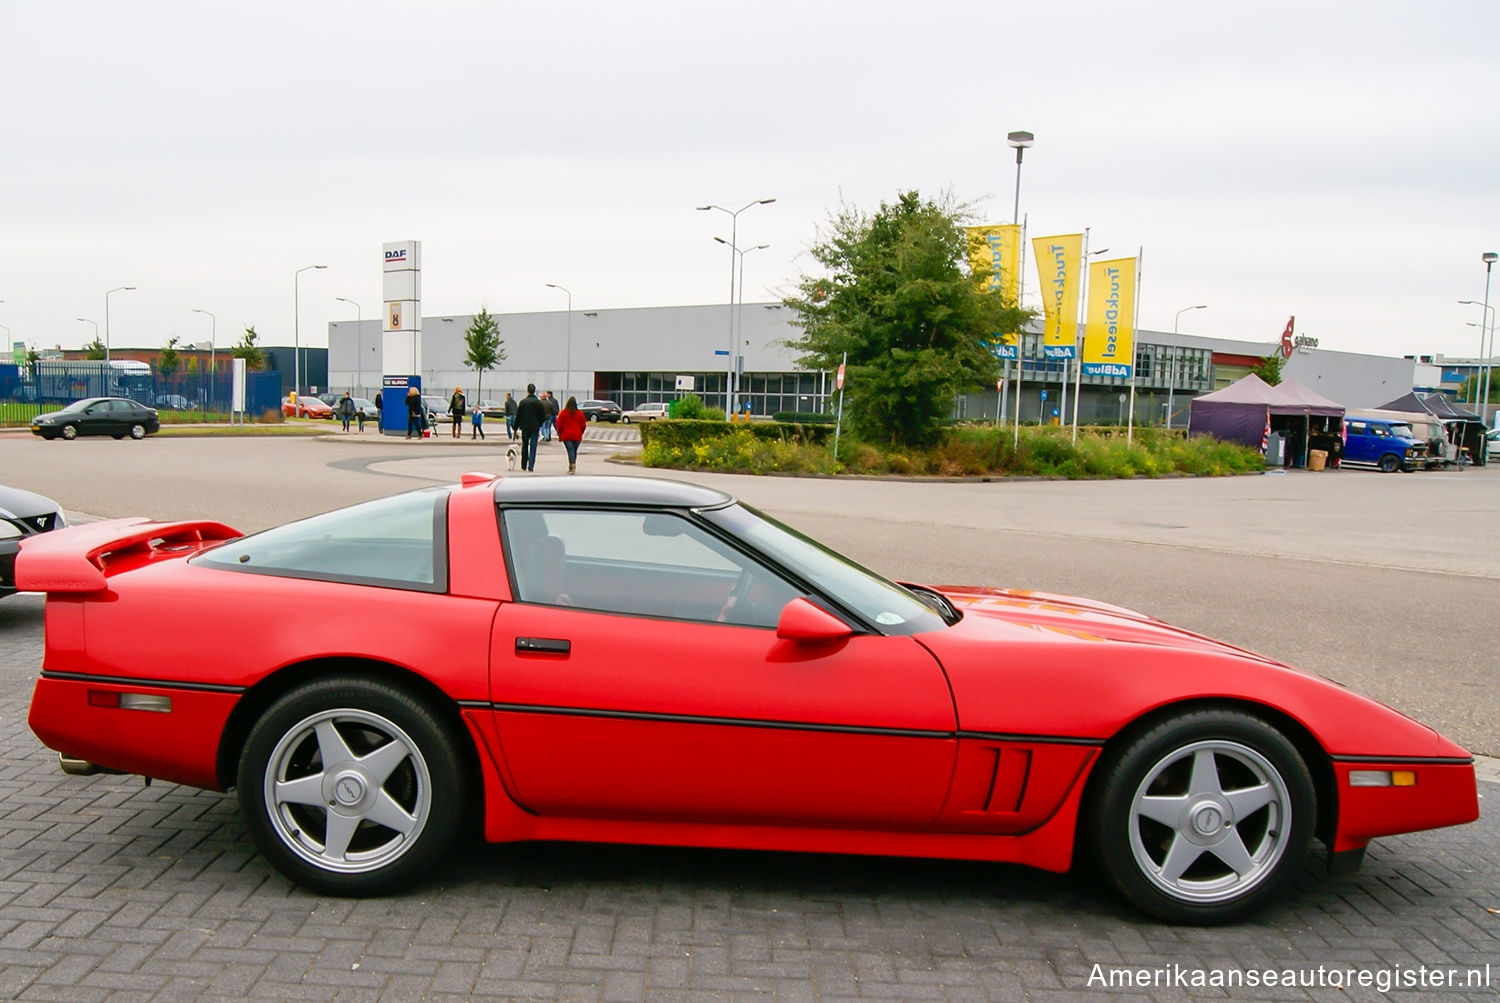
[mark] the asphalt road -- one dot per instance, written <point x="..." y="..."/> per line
<point x="112" y="891"/>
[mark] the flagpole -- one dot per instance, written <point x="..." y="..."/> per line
<point x="1135" y="326"/>
<point x="1083" y="304"/>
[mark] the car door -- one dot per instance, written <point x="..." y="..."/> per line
<point x="619" y="692"/>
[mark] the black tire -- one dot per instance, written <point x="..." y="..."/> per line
<point x="118" y="435"/>
<point x="70" y="432"/>
<point x="137" y="431"/>
<point x="625" y="419"/>
<point x="396" y="792"/>
<point x="1204" y="818"/>
<point x="1390" y="463"/>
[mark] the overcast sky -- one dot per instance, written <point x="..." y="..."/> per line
<point x="1336" y="161"/>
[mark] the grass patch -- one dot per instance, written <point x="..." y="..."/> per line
<point x="963" y="452"/>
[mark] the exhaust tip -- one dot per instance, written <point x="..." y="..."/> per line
<point x="75" y="767"/>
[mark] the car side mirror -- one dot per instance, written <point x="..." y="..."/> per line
<point x="802" y="621"/>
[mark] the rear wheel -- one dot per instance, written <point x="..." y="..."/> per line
<point x="351" y="787"/>
<point x="137" y="431"/>
<point x="1203" y="818"/>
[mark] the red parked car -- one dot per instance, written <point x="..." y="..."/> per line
<point x="306" y="407"/>
<point x="634" y="660"/>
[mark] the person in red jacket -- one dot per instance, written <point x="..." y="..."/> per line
<point x="570" y="425"/>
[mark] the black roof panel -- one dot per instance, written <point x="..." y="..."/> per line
<point x="628" y="491"/>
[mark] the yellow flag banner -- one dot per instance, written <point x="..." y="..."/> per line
<point x="1109" y="336"/>
<point x="1057" y="261"/>
<point x="995" y="262"/>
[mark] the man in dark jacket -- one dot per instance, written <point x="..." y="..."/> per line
<point x="530" y="414"/>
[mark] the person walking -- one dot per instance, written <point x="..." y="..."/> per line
<point x="346" y="410"/>
<point x="571" y="423"/>
<point x="456" y="407"/>
<point x="477" y="421"/>
<point x="510" y="416"/>
<point x="530" y="414"/>
<point x="550" y="403"/>
<point x="414" y="416"/>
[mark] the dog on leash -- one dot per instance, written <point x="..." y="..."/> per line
<point x="512" y="456"/>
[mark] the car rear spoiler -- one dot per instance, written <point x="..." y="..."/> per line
<point x="73" y="559"/>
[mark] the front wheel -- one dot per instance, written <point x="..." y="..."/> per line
<point x="1203" y="818"/>
<point x="625" y="419"/>
<point x="351" y="787"/>
<point x="1390" y="463"/>
<point x="70" y="432"/>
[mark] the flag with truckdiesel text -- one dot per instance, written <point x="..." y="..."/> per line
<point x="1057" y="261"/>
<point x="995" y="263"/>
<point x="1109" y="335"/>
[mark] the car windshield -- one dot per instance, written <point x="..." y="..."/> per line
<point x="890" y="607"/>
<point x="80" y="405"/>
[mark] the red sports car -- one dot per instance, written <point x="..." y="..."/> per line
<point x="306" y="407"/>
<point x="634" y="660"/>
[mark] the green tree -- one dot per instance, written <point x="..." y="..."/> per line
<point x="897" y="296"/>
<point x="248" y="350"/>
<point x="167" y="358"/>
<point x="1269" y="368"/>
<point x="484" y="347"/>
<point x="95" y="349"/>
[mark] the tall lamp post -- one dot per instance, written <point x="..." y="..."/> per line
<point x="213" y="341"/>
<point x="297" y="328"/>
<point x="734" y="354"/>
<point x="1019" y="141"/>
<point x="1176" y="351"/>
<point x="1488" y="257"/>
<point x="85" y="320"/>
<point x="734" y="219"/>
<point x="116" y="289"/>
<point x="359" y="359"/>
<point x="1487" y="317"/>
<point x="568" y="379"/>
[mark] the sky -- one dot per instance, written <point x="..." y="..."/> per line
<point x="1339" y="162"/>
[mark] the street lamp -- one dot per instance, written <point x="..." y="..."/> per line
<point x="297" y="328"/>
<point x="1019" y="141"/>
<point x="1487" y="316"/>
<point x="85" y="320"/>
<point x="116" y="289"/>
<point x="734" y="355"/>
<point x="567" y="380"/>
<point x="734" y="219"/>
<point x="1176" y="352"/>
<point x="213" y="340"/>
<point x="1489" y="258"/>
<point x="359" y="359"/>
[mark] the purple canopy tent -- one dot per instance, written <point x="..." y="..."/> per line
<point x="1242" y="411"/>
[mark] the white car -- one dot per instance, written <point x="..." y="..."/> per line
<point x="645" y="412"/>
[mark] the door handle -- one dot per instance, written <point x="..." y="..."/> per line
<point x="546" y="645"/>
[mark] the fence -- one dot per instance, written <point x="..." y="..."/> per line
<point x="27" y="391"/>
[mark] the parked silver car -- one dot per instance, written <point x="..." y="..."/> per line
<point x="22" y="514"/>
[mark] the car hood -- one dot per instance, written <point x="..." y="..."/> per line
<point x="1081" y="619"/>
<point x="23" y="504"/>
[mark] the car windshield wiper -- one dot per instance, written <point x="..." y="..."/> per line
<point x="936" y="600"/>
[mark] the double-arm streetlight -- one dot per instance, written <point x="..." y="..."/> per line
<point x="359" y="359"/>
<point x="1176" y="353"/>
<point x="738" y="341"/>
<point x="297" y="328"/>
<point x="1486" y="318"/>
<point x="567" y="380"/>
<point x="116" y="289"/>
<point x="734" y="219"/>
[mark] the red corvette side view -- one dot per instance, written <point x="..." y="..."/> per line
<point x="619" y="659"/>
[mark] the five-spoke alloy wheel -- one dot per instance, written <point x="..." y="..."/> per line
<point x="1203" y="817"/>
<point x="351" y="787"/>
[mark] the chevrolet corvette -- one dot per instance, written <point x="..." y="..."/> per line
<point x="621" y="659"/>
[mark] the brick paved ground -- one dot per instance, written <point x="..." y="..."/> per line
<point x="113" y="891"/>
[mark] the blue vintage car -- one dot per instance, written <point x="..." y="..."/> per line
<point x="1383" y="443"/>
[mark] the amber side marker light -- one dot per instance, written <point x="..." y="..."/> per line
<point x="1382" y="778"/>
<point x="130" y="701"/>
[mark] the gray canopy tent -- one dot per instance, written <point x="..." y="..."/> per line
<point x="1465" y="428"/>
